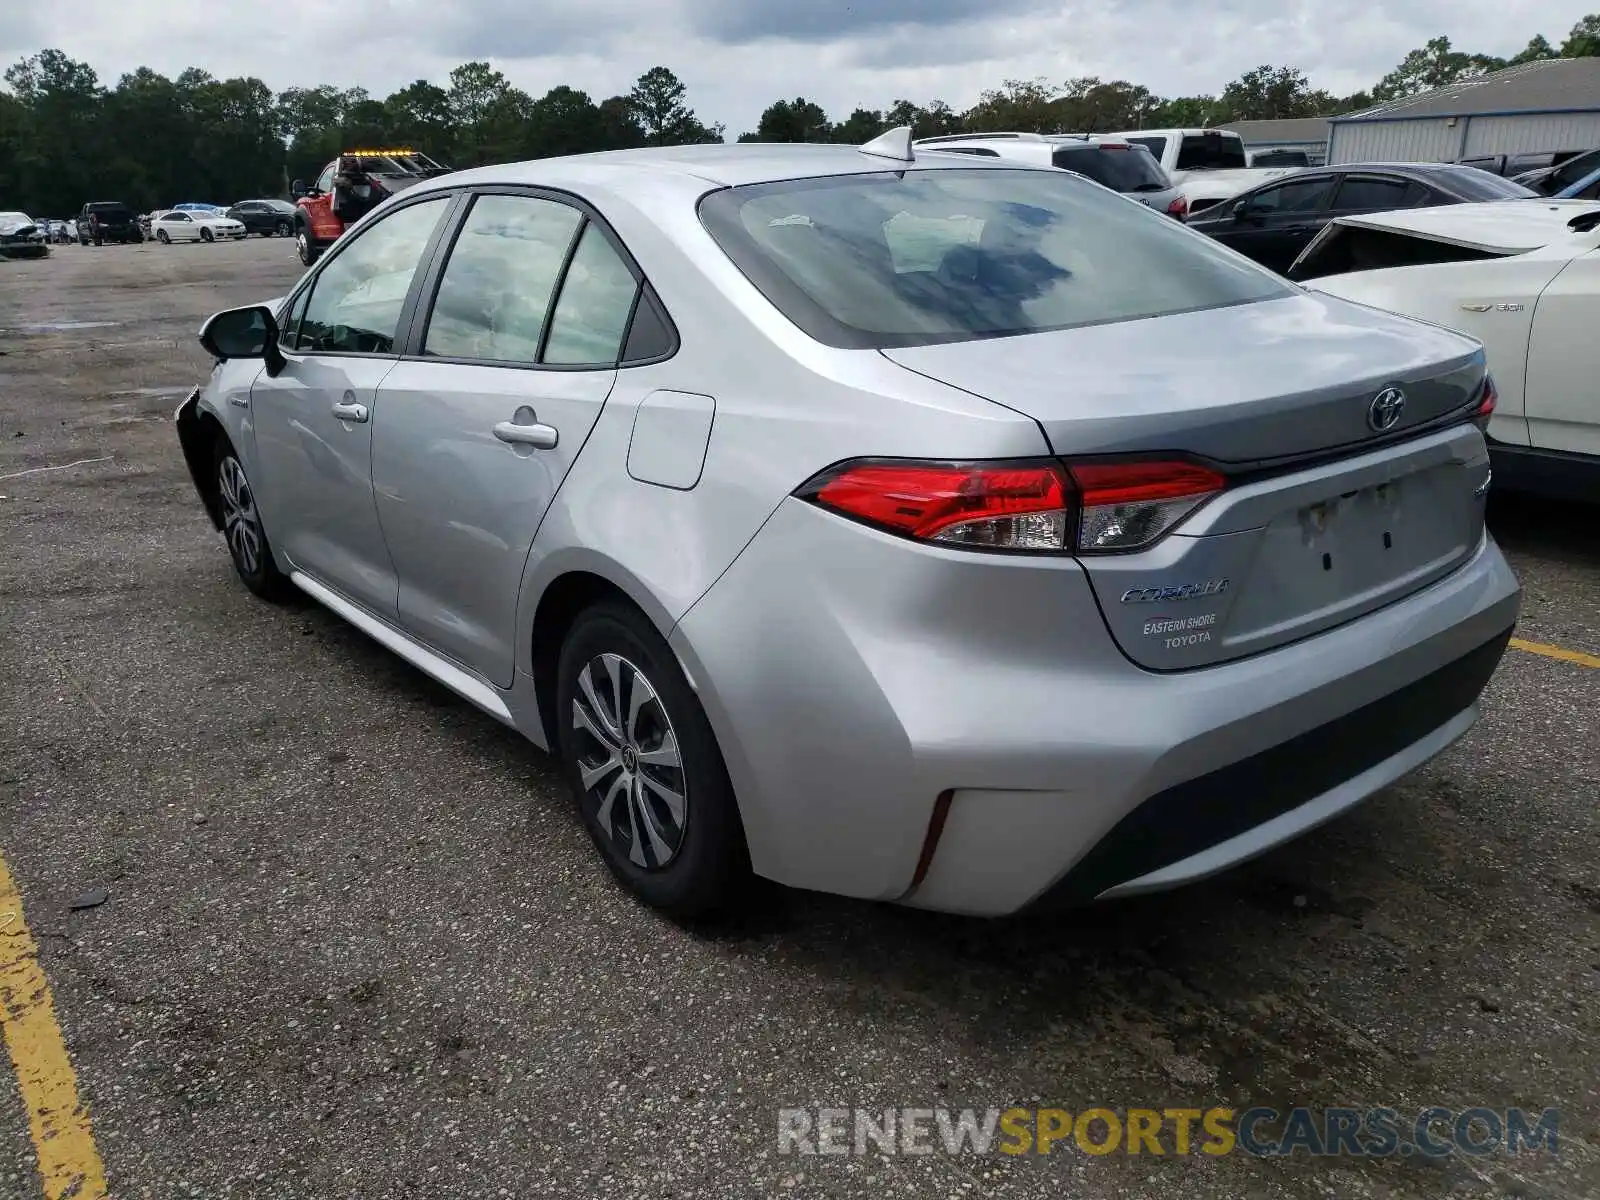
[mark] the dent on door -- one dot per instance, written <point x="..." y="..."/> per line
<point x="671" y="432"/>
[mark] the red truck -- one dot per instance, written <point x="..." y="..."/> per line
<point x="318" y="225"/>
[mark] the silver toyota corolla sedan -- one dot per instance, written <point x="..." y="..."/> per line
<point x="896" y="524"/>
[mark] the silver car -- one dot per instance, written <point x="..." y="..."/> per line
<point x="916" y="527"/>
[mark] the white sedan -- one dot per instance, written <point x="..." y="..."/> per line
<point x="1521" y="276"/>
<point x="180" y="226"/>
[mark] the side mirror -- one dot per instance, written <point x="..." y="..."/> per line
<point x="1240" y="208"/>
<point x="298" y="188"/>
<point x="244" y="333"/>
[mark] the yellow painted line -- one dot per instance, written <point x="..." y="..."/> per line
<point x="69" y="1165"/>
<point x="1561" y="652"/>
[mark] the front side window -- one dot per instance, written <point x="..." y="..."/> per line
<point x="289" y="322"/>
<point x="495" y="293"/>
<point x="356" y="301"/>
<point x="927" y="256"/>
<point x="1301" y="196"/>
<point x="591" y="314"/>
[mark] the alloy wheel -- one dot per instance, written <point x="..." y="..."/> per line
<point x="629" y="762"/>
<point x="241" y="524"/>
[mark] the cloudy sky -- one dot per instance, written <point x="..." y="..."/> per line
<point x="736" y="56"/>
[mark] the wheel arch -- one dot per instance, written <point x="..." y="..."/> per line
<point x="199" y="431"/>
<point x="561" y="601"/>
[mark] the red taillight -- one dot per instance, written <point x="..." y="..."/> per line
<point x="1126" y="506"/>
<point x="1179" y="208"/>
<point x="1029" y="506"/>
<point x="1486" y="404"/>
<point x="1005" y="506"/>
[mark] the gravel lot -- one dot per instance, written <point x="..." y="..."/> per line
<point x="356" y="944"/>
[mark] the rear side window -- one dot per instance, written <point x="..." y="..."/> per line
<point x="927" y="256"/>
<point x="496" y="290"/>
<point x="1156" y="145"/>
<point x="1119" y="168"/>
<point x="1208" y="151"/>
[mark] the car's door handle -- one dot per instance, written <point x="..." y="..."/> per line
<point x="350" y="411"/>
<point x="540" y="437"/>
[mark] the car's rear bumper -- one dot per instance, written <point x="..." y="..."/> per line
<point x="957" y="731"/>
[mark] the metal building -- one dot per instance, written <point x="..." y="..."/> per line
<point x="1309" y="134"/>
<point x="1532" y="107"/>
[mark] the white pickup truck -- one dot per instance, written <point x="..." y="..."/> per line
<point x="1207" y="164"/>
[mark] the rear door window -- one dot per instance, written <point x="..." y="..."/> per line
<point x="494" y="296"/>
<point x="591" y="314"/>
<point x="1371" y="192"/>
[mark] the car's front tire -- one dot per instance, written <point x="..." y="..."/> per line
<point x="242" y="528"/>
<point x="642" y="763"/>
<point x="305" y="245"/>
<point x="207" y="236"/>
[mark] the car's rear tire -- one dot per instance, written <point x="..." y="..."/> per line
<point x="82" y="241"/>
<point x="632" y="736"/>
<point x="99" y="242"/>
<point x="283" y="229"/>
<point x="161" y="236"/>
<point x="242" y="528"/>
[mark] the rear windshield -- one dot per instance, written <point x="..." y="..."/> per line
<point x="1117" y="167"/>
<point x="109" y="207"/>
<point x="1472" y="184"/>
<point x="1210" y="151"/>
<point x="921" y="257"/>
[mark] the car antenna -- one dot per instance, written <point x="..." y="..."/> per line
<point x="896" y="144"/>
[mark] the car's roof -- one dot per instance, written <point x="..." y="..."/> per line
<point x="1504" y="226"/>
<point x="722" y="164"/>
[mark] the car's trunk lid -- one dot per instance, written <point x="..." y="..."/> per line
<point x="1324" y="519"/>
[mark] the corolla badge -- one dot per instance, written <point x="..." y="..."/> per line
<point x="1383" y="414"/>
<point x="1182" y="591"/>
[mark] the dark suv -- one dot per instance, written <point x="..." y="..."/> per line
<point x="108" y="221"/>
<point x="269" y="218"/>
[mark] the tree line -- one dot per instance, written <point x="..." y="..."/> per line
<point x="66" y="138"/>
